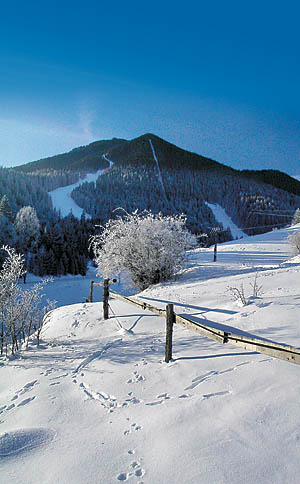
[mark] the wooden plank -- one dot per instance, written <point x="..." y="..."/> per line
<point x="139" y="304"/>
<point x="275" y="350"/>
<point x="219" y="336"/>
<point x="264" y="342"/>
<point x="272" y="351"/>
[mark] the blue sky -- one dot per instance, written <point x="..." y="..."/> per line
<point x="218" y="78"/>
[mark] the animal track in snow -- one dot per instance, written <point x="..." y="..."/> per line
<point x="107" y="401"/>
<point x="201" y="378"/>
<point x="24" y="402"/>
<point x="122" y="477"/>
<point x="162" y="397"/>
<point x="28" y="387"/>
<point x="59" y="376"/>
<point x="134" y="427"/>
<point x="216" y="394"/>
<point x="136" y="378"/>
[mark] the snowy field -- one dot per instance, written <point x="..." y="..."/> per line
<point x="97" y="404"/>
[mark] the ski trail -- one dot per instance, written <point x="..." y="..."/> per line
<point x="158" y="170"/>
<point x="61" y="197"/>
<point x="222" y="217"/>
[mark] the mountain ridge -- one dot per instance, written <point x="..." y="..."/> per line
<point x="137" y="151"/>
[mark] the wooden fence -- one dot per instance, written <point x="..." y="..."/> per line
<point x="251" y="342"/>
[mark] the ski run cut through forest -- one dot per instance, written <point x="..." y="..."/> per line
<point x="96" y="403"/>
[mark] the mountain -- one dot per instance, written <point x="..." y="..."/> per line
<point x="276" y="178"/>
<point x="138" y="152"/>
<point x="153" y="174"/>
<point x="84" y="158"/>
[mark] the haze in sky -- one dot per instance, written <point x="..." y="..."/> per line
<point x="217" y="78"/>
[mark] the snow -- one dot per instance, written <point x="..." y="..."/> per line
<point x="96" y="403"/>
<point x="222" y="217"/>
<point x="158" y="170"/>
<point x="61" y="197"/>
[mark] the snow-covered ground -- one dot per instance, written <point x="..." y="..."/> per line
<point x="61" y="197"/>
<point x="97" y="404"/>
<point x="222" y="217"/>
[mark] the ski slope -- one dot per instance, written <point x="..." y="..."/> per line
<point x="97" y="404"/>
<point x="61" y="197"/>
<point x="222" y="217"/>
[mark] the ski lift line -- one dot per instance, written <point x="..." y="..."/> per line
<point x="273" y="214"/>
<point x="158" y="170"/>
<point x="255" y="227"/>
<point x="290" y="211"/>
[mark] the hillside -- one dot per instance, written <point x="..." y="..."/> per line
<point x="150" y="173"/>
<point x="153" y="174"/>
<point x="138" y="152"/>
<point x="82" y="159"/>
<point x="96" y="403"/>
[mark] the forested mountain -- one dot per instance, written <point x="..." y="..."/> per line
<point x="83" y="159"/>
<point x="276" y="178"/>
<point x="147" y="173"/>
<point x="183" y="182"/>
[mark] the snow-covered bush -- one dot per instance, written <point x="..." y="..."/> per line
<point x="294" y="241"/>
<point x="27" y="227"/>
<point x="21" y="311"/>
<point x="296" y="218"/>
<point x="151" y="247"/>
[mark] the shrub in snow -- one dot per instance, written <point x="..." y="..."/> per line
<point x="151" y="247"/>
<point x="294" y="241"/>
<point x="238" y="293"/>
<point x="21" y="311"/>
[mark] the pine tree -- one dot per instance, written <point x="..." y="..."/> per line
<point x="5" y="208"/>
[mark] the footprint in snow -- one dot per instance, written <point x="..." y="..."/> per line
<point x="136" y="378"/>
<point x="134" y="427"/>
<point x="24" y="402"/>
<point x="28" y="387"/>
<point x="122" y="477"/>
<point x="163" y="397"/>
<point x="216" y="394"/>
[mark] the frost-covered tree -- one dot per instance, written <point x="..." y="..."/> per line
<point x="151" y="247"/>
<point x="294" y="241"/>
<point x="12" y="270"/>
<point x="27" y="227"/>
<point x="5" y="208"/>
<point x="296" y="218"/>
<point x="21" y="311"/>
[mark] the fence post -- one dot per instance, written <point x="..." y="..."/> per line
<point x="105" y="298"/>
<point x="170" y="320"/>
<point x="90" y="298"/>
<point x="215" y="252"/>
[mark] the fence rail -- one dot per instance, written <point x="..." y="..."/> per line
<point x="251" y="342"/>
